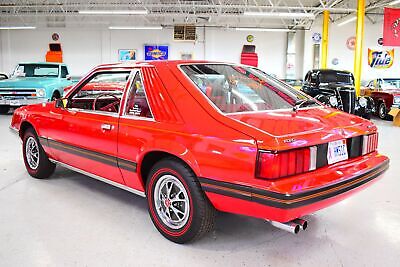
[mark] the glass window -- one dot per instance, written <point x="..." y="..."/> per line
<point x="64" y="72"/>
<point x="137" y="104"/>
<point x="36" y="70"/>
<point x="336" y="77"/>
<point x="389" y="84"/>
<point x="238" y="88"/>
<point x="101" y="92"/>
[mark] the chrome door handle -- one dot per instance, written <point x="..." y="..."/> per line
<point x="106" y="127"/>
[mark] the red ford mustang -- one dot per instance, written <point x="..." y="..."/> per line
<point x="194" y="137"/>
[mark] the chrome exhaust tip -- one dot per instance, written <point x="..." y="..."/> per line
<point x="302" y="223"/>
<point x="290" y="227"/>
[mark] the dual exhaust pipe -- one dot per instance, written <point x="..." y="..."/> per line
<point x="293" y="227"/>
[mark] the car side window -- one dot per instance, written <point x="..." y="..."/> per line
<point x="137" y="103"/>
<point x="64" y="72"/>
<point x="101" y="92"/>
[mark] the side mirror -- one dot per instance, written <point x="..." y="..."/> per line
<point x="68" y="77"/>
<point x="60" y="103"/>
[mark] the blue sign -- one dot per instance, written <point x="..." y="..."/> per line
<point x="156" y="52"/>
<point x="316" y="37"/>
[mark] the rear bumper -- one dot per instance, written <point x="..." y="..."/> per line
<point x="17" y="102"/>
<point x="283" y="206"/>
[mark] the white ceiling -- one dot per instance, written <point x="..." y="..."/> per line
<point x="211" y="13"/>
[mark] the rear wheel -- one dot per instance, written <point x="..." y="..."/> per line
<point x="36" y="161"/>
<point x="4" y="109"/>
<point x="177" y="205"/>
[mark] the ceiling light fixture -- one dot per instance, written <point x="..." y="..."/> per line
<point x="17" y="27"/>
<point x="344" y="22"/>
<point x="135" y="27"/>
<point x="263" y="29"/>
<point x="280" y="14"/>
<point x="113" y="12"/>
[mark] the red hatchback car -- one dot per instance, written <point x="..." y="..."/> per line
<point x="194" y="137"/>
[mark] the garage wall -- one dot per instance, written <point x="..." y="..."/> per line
<point x="338" y="49"/>
<point x="86" y="48"/>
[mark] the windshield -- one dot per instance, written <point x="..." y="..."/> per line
<point x="336" y="77"/>
<point x="388" y="84"/>
<point x="239" y="88"/>
<point x="36" y="70"/>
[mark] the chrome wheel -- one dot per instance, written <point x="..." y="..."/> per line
<point x="171" y="201"/>
<point x="32" y="153"/>
<point x="382" y="111"/>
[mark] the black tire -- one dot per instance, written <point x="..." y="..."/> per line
<point x="44" y="168"/>
<point x="383" y="112"/>
<point x="4" y="109"/>
<point x="56" y="95"/>
<point x="201" y="214"/>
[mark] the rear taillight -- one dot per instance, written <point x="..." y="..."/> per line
<point x="370" y="143"/>
<point x="271" y="165"/>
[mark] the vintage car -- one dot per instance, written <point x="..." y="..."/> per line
<point x="194" y="137"/>
<point x="336" y="89"/>
<point x="33" y="83"/>
<point x="386" y="95"/>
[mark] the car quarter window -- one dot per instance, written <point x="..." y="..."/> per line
<point x="137" y="103"/>
<point x="64" y="72"/>
<point x="101" y="92"/>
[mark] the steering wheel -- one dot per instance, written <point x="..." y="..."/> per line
<point x="112" y="105"/>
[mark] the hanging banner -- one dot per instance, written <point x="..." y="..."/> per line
<point x="380" y="59"/>
<point x="391" y="27"/>
<point x="156" y="52"/>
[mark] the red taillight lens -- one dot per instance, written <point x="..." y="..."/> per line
<point x="370" y="143"/>
<point x="275" y="165"/>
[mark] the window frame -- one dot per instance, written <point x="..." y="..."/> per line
<point x="87" y="80"/>
<point x="128" y="90"/>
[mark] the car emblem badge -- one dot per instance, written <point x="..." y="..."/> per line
<point x="290" y="140"/>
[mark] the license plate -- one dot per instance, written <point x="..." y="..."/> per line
<point x="337" y="151"/>
<point x="15" y="103"/>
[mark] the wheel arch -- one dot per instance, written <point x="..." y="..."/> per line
<point x="58" y="91"/>
<point x="150" y="158"/>
<point x="25" y="125"/>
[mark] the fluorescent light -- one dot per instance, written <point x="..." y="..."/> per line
<point x="17" y="27"/>
<point x="135" y="27"/>
<point x="114" y="12"/>
<point x="263" y="30"/>
<point x="394" y="3"/>
<point x="280" y="14"/>
<point x="344" y="22"/>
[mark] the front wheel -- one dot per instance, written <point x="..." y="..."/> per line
<point x="36" y="161"/>
<point x="382" y="112"/>
<point x="177" y="205"/>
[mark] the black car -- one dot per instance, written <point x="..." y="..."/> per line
<point x="336" y="89"/>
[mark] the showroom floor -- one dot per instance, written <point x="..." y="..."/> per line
<point x="72" y="220"/>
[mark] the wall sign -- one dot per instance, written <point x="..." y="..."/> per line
<point x="250" y="38"/>
<point x="126" y="54"/>
<point x="380" y="59"/>
<point x="55" y="37"/>
<point x="351" y="43"/>
<point x="156" y="52"/>
<point x="316" y="37"/>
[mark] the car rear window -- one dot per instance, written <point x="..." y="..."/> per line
<point x="239" y="88"/>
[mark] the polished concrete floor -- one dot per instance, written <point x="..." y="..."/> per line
<point x="73" y="220"/>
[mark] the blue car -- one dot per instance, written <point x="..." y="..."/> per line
<point x="33" y="83"/>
